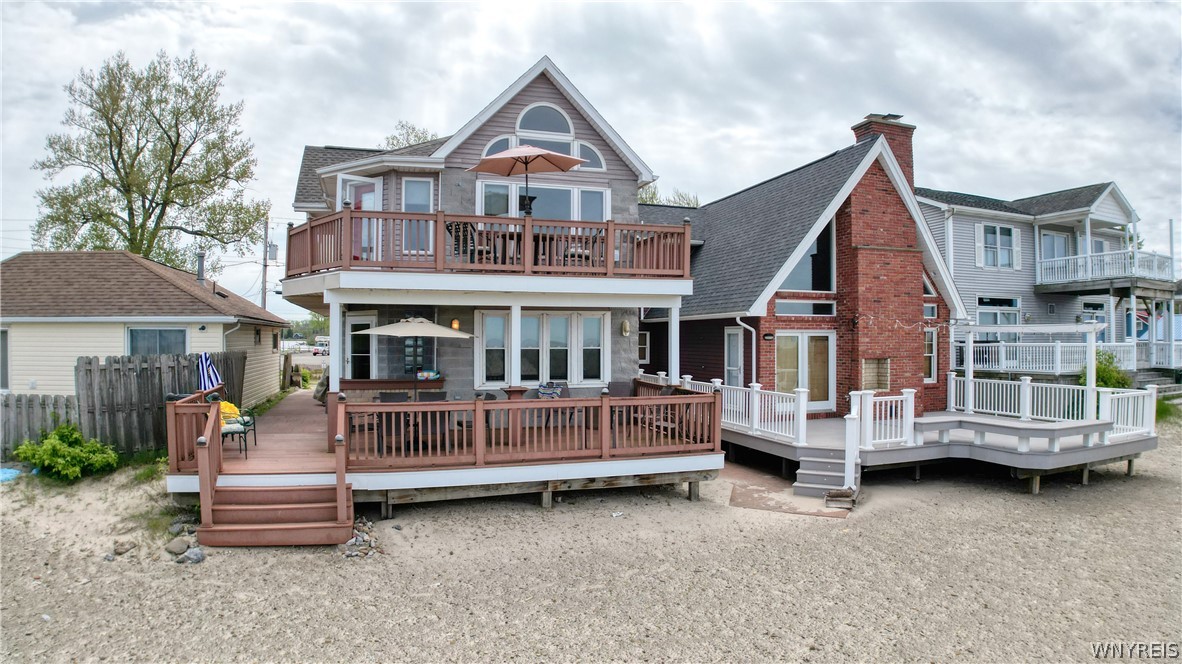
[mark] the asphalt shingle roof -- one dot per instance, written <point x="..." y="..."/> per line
<point x="1058" y="201"/>
<point x="308" y="191"/>
<point x="55" y="284"/>
<point x="750" y="234"/>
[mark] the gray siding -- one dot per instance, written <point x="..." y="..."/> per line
<point x="934" y="217"/>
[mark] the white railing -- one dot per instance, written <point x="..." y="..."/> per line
<point x="777" y="415"/>
<point x="891" y="420"/>
<point x="1049" y="358"/>
<point x="1056" y="403"/>
<point x="1022" y="398"/>
<point x="1108" y="265"/>
<point x="1132" y="412"/>
<point x="1160" y="354"/>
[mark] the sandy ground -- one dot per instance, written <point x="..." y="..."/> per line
<point x="963" y="566"/>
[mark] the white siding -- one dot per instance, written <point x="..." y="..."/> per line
<point x="1110" y="209"/>
<point x="934" y="217"/>
<point x="263" y="363"/>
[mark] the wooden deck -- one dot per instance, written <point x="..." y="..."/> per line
<point x="291" y="439"/>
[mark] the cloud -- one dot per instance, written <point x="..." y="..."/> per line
<point x="1010" y="100"/>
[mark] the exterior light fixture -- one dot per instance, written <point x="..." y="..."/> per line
<point x="625" y="328"/>
<point x="455" y="323"/>
<point x="769" y="337"/>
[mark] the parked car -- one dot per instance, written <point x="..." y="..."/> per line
<point x="320" y="350"/>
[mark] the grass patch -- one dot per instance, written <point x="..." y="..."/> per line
<point x="271" y="401"/>
<point x="151" y="472"/>
<point x="1167" y="411"/>
<point x="157" y="519"/>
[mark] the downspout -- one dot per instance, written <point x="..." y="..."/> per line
<point x="754" y="348"/>
<point x="228" y="333"/>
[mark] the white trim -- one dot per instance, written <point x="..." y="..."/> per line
<point x="545" y="65"/>
<point x="1015" y="251"/>
<point x="509" y="285"/>
<point x="377" y="190"/>
<point x="499" y="299"/>
<point x="381" y="162"/>
<point x="935" y="311"/>
<point x="585" y="167"/>
<point x="730" y="316"/>
<point x="739" y="332"/>
<point x="517" y="189"/>
<point x="647" y="346"/>
<point x="424" y="479"/>
<point x="484" y="152"/>
<point x="352" y="317"/>
<point x="803" y="368"/>
<point x="127" y="335"/>
<point x="927" y="285"/>
<point x="791" y="301"/>
<point x="574" y="358"/>
<point x="542" y="134"/>
<point x="935" y="355"/>
<point x="431" y="196"/>
<point x="310" y="207"/>
<point x="147" y="320"/>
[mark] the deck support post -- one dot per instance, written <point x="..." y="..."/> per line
<point x="336" y="355"/>
<point x="1090" y="395"/>
<point x="979" y="438"/>
<point x="908" y="416"/>
<point x="1035" y="481"/>
<point x="753" y="406"/>
<point x="1150" y="415"/>
<point x="1023" y="443"/>
<point x="547" y="500"/>
<point x="916" y="477"/>
<point x="1084" y="476"/>
<point x="1129" y="468"/>
<point x="1087" y="247"/>
<point x="693" y="491"/>
<point x="783" y="468"/>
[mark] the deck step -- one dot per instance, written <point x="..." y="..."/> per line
<point x="312" y="533"/>
<point x="808" y="489"/>
<point x="823" y="453"/>
<point x="274" y="513"/>
<point x="272" y="495"/>
<point x="832" y="479"/>
<point x="809" y="463"/>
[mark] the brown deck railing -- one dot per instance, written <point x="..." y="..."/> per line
<point x="441" y="242"/>
<point x="185" y="420"/>
<point x="209" y="461"/>
<point x="490" y="433"/>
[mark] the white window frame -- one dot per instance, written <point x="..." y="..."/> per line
<point x="933" y="308"/>
<point x="935" y="354"/>
<point x="431" y="198"/>
<point x="127" y="335"/>
<point x="832" y="264"/>
<point x="544" y="135"/>
<point x="802" y="359"/>
<point x="342" y="187"/>
<point x="727" y="333"/>
<point x="1042" y="247"/>
<point x="643" y="346"/>
<point x="351" y="317"/>
<point x="1014" y="237"/>
<point x="584" y="167"/>
<point x="790" y="301"/>
<point x="574" y="352"/>
<point x="517" y="189"/>
<point x="488" y="146"/>
<point x="1016" y="310"/>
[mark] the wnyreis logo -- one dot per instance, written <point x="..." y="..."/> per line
<point x="1135" y="650"/>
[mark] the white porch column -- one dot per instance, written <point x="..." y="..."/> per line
<point x="1111" y="318"/>
<point x="514" y="359"/>
<point x="675" y="341"/>
<point x="1170" y="331"/>
<point x="968" y="371"/>
<point x="336" y="347"/>
<point x="1136" y="250"/>
<point x="1090" y="395"/>
<point x="1088" y="246"/>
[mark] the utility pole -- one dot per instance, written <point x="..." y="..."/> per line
<point x="266" y="253"/>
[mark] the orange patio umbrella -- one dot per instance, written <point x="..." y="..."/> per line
<point x="525" y="159"/>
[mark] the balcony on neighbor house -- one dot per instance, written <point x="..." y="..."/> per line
<point x="454" y="243"/>
<point x="1123" y="264"/>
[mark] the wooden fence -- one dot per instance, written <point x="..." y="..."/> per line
<point x="120" y="400"/>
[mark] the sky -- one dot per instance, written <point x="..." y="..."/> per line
<point x="1010" y="100"/>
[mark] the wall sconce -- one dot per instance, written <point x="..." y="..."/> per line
<point x="455" y="323"/>
<point x="201" y="329"/>
<point x="769" y="337"/>
<point x="1079" y="318"/>
<point x="258" y="335"/>
<point x="625" y="328"/>
<point x="1026" y="317"/>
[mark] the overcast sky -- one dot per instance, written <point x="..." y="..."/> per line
<point x="1010" y="100"/>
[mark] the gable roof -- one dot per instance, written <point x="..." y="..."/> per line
<point x="308" y="190"/>
<point x="1062" y="201"/>
<point x="668" y="215"/>
<point x="546" y="67"/>
<point x="105" y="284"/>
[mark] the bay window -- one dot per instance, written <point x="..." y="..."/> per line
<point x="554" y="346"/>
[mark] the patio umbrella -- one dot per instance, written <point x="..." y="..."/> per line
<point x="417" y="328"/>
<point x="524" y="159"/>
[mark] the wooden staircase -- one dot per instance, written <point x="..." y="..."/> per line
<point x="277" y="516"/>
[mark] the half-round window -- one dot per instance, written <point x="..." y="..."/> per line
<point x="594" y="161"/>
<point x="498" y="145"/>
<point x="544" y="118"/>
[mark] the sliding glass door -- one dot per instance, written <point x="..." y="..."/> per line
<point x="808" y="359"/>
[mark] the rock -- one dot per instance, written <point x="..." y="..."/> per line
<point x="177" y="546"/>
<point x="110" y="557"/>
<point x="351" y="554"/>
<point x="617" y="514"/>
<point x="397" y="527"/>
<point x="45" y="617"/>
<point x="176" y="528"/>
<point x="184" y="518"/>
<point x="193" y="555"/>
<point x="123" y="547"/>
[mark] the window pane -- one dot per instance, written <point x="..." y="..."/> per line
<point x="991" y="236"/>
<point x="416" y="196"/>
<point x="172" y="342"/>
<point x="549" y="203"/>
<point x="561" y="147"/>
<point x="559" y="358"/>
<point x="592" y="332"/>
<point x="814" y="272"/>
<point x="787" y="363"/>
<point x="531" y="368"/>
<point x="1007" y="236"/>
<point x="499" y="145"/>
<point x="592" y="157"/>
<point x="544" y="118"/>
<point x="559" y="348"/>
<point x="494" y="331"/>
<point x="991" y="257"/>
<point x="142" y="342"/>
<point x="818" y="368"/>
<point x="496" y="199"/>
<point x="494" y="365"/>
<point x="798" y="308"/>
<point x="591" y="206"/>
<point x="1007" y="257"/>
<point x="531" y="328"/>
<point x="3" y="359"/>
<point x="591" y="363"/>
<point x="928" y="372"/>
<point x="592" y="348"/>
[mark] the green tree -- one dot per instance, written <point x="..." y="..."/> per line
<point x="407" y="133"/>
<point x="651" y="195"/>
<point x="164" y="166"/>
<point x="310" y="327"/>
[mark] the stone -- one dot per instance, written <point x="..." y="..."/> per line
<point x="110" y="557"/>
<point x="177" y="546"/>
<point x="194" y="555"/>
<point x="184" y="518"/>
<point x="176" y="529"/>
<point x="397" y="527"/>
<point x="123" y="547"/>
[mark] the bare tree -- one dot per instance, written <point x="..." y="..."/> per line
<point x="651" y="195"/>
<point x="407" y="133"/>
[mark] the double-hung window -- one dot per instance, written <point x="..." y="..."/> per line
<point x="929" y="355"/>
<point x="418" y="195"/>
<point x="555" y="346"/>
<point x="998" y="311"/>
<point x="998" y="246"/>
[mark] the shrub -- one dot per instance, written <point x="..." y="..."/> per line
<point x="1108" y="373"/>
<point x="66" y="455"/>
<point x="305" y="377"/>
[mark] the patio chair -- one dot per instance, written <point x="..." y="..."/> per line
<point x="559" y="390"/>
<point x="468" y="240"/>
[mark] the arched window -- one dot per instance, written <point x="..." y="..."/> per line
<point x="544" y="118"/>
<point x="498" y="144"/>
<point x="594" y="159"/>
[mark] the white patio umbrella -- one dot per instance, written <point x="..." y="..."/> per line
<point x="417" y="328"/>
<point x="525" y="159"/>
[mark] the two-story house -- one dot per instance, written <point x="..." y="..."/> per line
<point x="1055" y="258"/>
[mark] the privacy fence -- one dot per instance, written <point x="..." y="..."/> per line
<point x="118" y="400"/>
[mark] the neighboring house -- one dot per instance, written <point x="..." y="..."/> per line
<point x="60" y="305"/>
<point x="825" y="278"/>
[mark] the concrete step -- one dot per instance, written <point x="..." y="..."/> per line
<point x="316" y="533"/>
<point x="275" y="513"/>
<point x="272" y="495"/>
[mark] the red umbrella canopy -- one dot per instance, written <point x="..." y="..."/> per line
<point x="526" y="159"/>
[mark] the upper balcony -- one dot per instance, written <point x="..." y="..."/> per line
<point x="1070" y="271"/>
<point x="443" y="243"/>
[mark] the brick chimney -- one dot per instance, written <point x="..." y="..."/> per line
<point x="898" y="136"/>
